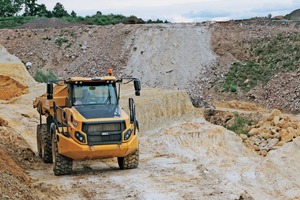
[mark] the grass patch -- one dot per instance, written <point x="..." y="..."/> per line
<point x="59" y="41"/>
<point x="240" y="125"/>
<point x="269" y="56"/>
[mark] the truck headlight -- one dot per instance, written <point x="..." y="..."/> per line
<point x="80" y="137"/>
<point x="127" y="134"/>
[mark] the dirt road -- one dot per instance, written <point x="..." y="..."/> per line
<point x="188" y="159"/>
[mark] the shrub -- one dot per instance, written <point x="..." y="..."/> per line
<point x="44" y="77"/>
<point x="233" y="88"/>
<point x="59" y="41"/>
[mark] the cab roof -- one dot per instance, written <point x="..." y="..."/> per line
<point x="95" y="79"/>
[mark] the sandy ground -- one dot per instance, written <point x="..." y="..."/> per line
<point x="188" y="159"/>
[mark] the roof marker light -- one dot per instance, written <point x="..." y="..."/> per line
<point x="109" y="71"/>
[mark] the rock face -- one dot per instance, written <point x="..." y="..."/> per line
<point x="272" y="132"/>
<point x="14" y="78"/>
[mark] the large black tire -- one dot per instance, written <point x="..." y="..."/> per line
<point x="44" y="143"/>
<point x="39" y="132"/>
<point x="62" y="164"/>
<point x="129" y="162"/>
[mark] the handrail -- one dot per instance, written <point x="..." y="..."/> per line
<point x="63" y="122"/>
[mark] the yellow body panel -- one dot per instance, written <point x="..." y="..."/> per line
<point x="71" y="149"/>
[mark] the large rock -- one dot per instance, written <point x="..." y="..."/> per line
<point x="12" y="67"/>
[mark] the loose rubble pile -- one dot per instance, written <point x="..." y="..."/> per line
<point x="227" y="118"/>
<point x="266" y="134"/>
<point x="271" y="132"/>
<point x="284" y="92"/>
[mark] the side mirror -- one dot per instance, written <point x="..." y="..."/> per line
<point x="137" y="86"/>
<point x="50" y="90"/>
<point x="131" y="110"/>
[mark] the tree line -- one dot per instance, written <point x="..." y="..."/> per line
<point x="26" y="8"/>
<point x="9" y="8"/>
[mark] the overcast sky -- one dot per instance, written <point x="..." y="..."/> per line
<point x="180" y="10"/>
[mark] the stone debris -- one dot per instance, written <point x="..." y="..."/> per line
<point x="271" y="132"/>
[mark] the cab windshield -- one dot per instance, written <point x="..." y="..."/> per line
<point x="91" y="94"/>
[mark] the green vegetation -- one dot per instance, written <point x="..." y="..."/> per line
<point x="44" y="77"/>
<point x="10" y="15"/>
<point x="240" y="125"/>
<point x="59" y="41"/>
<point x="13" y="22"/>
<point x="9" y="8"/>
<point x="269" y="56"/>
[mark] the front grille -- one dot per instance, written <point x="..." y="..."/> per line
<point x="104" y="127"/>
<point x="104" y="133"/>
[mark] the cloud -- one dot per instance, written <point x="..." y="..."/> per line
<point x="206" y="14"/>
<point x="181" y="10"/>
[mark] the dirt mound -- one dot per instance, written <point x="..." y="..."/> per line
<point x="173" y="57"/>
<point x="41" y="23"/>
<point x="232" y="41"/>
<point x="14" y="182"/>
<point x="12" y="67"/>
<point x="10" y="88"/>
<point x="15" y="158"/>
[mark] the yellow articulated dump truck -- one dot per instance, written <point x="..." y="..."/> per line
<point x="84" y="121"/>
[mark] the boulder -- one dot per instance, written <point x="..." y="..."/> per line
<point x="286" y="136"/>
<point x="274" y="113"/>
<point x="253" y="131"/>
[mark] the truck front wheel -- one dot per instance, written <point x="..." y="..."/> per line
<point x="129" y="162"/>
<point x="62" y="164"/>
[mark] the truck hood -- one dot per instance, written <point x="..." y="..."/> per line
<point x="99" y="111"/>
